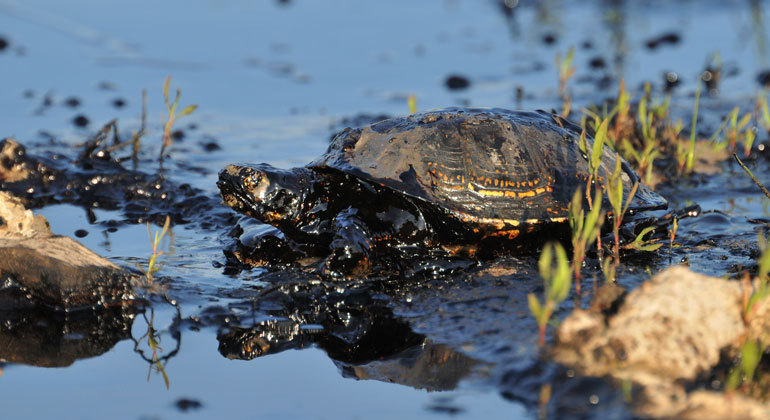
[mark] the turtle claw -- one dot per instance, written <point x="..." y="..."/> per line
<point x="350" y="248"/>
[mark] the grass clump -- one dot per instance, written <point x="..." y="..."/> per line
<point x="615" y="195"/>
<point x="585" y="229"/>
<point x="641" y="244"/>
<point x="566" y="71"/>
<point x="671" y="237"/>
<point x="761" y="287"/>
<point x="690" y="156"/>
<point x="152" y="262"/>
<point x="734" y="131"/>
<point x="556" y="279"/>
<point x="173" y="115"/>
<point x="411" y="100"/>
<point x="650" y="150"/>
<point x="753" y="348"/>
<point x="764" y="112"/>
<point x="594" y="157"/>
<point x="743" y="373"/>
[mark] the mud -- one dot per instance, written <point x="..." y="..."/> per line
<point x="96" y="178"/>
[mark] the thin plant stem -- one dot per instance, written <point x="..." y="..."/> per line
<point x="693" y="126"/>
<point x="753" y="178"/>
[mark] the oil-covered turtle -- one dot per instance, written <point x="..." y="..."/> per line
<point x="449" y="182"/>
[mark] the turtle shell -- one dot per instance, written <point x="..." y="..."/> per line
<point x="490" y="166"/>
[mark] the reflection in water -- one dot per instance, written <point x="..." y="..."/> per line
<point x="508" y="7"/>
<point x="433" y="367"/>
<point x="546" y="14"/>
<point x="758" y="27"/>
<point x="363" y="338"/>
<point x="152" y="338"/>
<point x="352" y="335"/>
<point x="55" y="339"/>
<point x="615" y="20"/>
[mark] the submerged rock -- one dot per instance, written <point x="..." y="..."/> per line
<point x="38" y="267"/>
<point x="670" y="331"/>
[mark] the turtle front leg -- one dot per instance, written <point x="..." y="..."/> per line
<point x="350" y="248"/>
<point x="268" y="250"/>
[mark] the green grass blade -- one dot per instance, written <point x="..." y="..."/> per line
<point x="693" y="126"/>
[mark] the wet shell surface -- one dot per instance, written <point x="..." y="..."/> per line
<point x="486" y="166"/>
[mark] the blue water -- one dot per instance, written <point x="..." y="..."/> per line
<point x="272" y="82"/>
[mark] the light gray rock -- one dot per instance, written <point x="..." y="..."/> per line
<point x="668" y="332"/>
<point x="53" y="270"/>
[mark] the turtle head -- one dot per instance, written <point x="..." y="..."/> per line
<point x="263" y="192"/>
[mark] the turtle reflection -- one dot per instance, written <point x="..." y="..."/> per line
<point x="365" y="342"/>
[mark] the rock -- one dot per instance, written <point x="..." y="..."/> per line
<point x="670" y="331"/>
<point x="700" y="404"/>
<point x="53" y="270"/>
<point x="673" y="326"/>
<point x="12" y="167"/>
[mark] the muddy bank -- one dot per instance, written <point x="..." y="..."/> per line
<point x="99" y="175"/>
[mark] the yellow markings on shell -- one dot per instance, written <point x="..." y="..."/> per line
<point x="492" y="193"/>
<point x="526" y="194"/>
<point x="510" y="194"/>
<point x="502" y="223"/>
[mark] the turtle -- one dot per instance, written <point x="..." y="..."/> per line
<point x="462" y="182"/>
